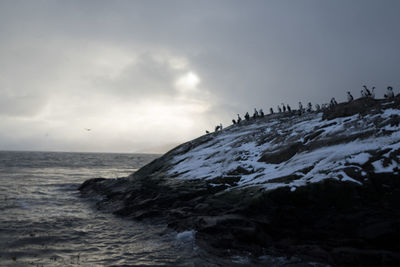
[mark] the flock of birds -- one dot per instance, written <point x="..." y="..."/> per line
<point x="365" y="92"/>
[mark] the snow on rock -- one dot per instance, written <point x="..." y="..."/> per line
<point x="360" y="159"/>
<point x="380" y="168"/>
<point x="291" y="151"/>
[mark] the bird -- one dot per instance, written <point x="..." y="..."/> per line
<point x="309" y="107"/>
<point x="239" y="119"/>
<point x="300" y="108"/>
<point x="365" y="92"/>
<point x="389" y="92"/>
<point x="333" y="103"/>
<point x="247" y="116"/>
<point x="88" y="129"/>
<point x="255" y="114"/>
<point x="350" y="97"/>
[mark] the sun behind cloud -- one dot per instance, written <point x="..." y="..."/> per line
<point x="187" y="82"/>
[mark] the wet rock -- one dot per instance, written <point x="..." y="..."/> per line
<point x="90" y="183"/>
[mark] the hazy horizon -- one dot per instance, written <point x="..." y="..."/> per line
<point x="79" y="152"/>
<point x="145" y="76"/>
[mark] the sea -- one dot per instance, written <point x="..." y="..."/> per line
<point x="45" y="222"/>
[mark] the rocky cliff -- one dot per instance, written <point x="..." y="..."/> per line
<point x="322" y="186"/>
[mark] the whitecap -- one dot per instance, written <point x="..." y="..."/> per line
<point x="186" y="236"/>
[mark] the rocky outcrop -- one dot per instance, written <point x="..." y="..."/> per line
<point x="325" y="190"/>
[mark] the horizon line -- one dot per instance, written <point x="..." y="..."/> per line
<point x="78" y="152"/>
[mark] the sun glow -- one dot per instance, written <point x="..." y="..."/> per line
<point x="187" y="82"/>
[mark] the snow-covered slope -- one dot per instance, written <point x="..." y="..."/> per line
<point x="287" y="150"/>
<point x="322" y="186"/>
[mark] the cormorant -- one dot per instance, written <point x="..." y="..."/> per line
<point x="255" y="114"/>
<point x="349" y="97"/>
<point x="300" y="108"/>
<point x="247" y="116"/>
<point x="389" y="92"/>
<point x="333" y="102"/>
<point x="239" y="119"/>
<point x="367" y="93"/>
<point x="373" y="92"/>
<point x="309" y="107"/>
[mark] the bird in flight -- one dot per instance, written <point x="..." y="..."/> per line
<point x="88" y="129"/>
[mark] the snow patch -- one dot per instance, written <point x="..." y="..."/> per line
<point x="379" y="168"/>
<point x="186" y="236"/>
<point x="389" y="112"/>
<point x="346" y="178"/>
<point x="360" y="159"/>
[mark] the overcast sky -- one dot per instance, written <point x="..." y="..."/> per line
<point x="147" y="75"/>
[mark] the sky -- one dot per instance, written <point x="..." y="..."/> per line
<point x="145" y="76"/>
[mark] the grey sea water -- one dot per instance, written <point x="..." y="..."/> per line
<point x="45" y="222"/>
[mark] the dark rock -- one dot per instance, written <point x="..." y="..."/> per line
<point x="282" y="155"/>
<point x="90" y="183"/>
<point x="231" y="180"/>
<point x="312" y="136"/>
<point x="359" y="106"/>
<point x="239" y="171"/>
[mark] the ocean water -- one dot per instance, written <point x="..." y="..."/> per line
<point x="45" y="222"/>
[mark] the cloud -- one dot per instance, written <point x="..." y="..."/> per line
<point x="129" y="96"/>
<point x="152" y="74"/>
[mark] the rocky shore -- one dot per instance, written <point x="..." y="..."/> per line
<point x="324" y="187"/>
